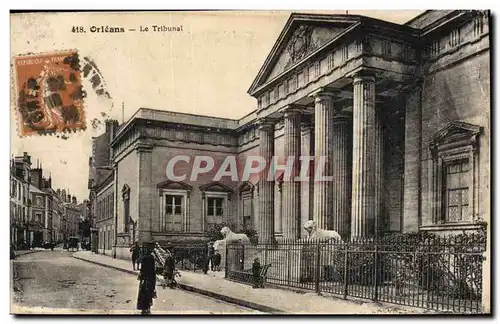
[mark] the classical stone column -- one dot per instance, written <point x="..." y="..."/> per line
<point x="341" y="164"/>
<point x="379" y="172"/>
<point x="323" y="117"/>
<point x="366" y="166"/>
<point x="307" y="187"/>
<point x="291" y="188"/>
<point x="266" y="187"/>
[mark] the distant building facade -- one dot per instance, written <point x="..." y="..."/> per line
<point x="42" y="205"/>
<point x="102" y="191"/>
<point x="20" y="179"/>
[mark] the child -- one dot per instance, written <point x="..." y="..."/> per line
<point x="216" y="260"/>
<point x="256" y="273"/>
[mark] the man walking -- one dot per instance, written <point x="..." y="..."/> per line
<point x="136" y="250"/>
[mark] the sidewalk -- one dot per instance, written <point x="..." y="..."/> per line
<point x="23" y="252"/>
<point x="269" y="300"/>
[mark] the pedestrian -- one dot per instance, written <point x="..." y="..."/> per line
<point x="216" y="260"/>
<point x="136" y="250"/>
<point x="147" y="281"/>
<point x="211" y="252"/>
<point x="206" y="261"/>
<point x="12" y="252"/>
<point x="169" y="270"/>
<point x="256" y="273"/>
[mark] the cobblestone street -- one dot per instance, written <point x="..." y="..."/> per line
<point x="54" y="279"/>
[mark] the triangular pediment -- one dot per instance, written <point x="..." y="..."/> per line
<point x="216" y="187"/>
<point x="302" y="35"/>
<point x="170" y="184"/>
<point x="454" y="132"/>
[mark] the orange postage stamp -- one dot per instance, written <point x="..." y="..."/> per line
<point x="49" y="93"/>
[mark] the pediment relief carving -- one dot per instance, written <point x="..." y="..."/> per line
<point x="303" y="40"/>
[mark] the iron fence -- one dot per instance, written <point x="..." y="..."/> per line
<point x="421" y="270"/>
<point x="191" y="257"/>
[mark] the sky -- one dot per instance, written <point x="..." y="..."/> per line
<point x="205" y="69"/>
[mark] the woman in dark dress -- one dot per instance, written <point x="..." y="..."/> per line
<point x="147" y="277"/>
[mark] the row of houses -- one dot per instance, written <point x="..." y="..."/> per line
<point x="39" y="213"/>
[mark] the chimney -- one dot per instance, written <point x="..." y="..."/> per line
<point x="63" y="195"/>
<point x="113" y="127"/>
<point x="109" y="125"/>
<point x="58" y="193"/>
<point x="36" y="178"/>
<point x="26" y="158"/>
<point x="68" y="198"/>
<point x="113" y="130"/>
<point x="73" y="200"/>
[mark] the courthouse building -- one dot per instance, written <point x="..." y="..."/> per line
<point x="402" y="112"/>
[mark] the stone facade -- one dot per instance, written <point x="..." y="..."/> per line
<point x="102" y="192"/>
<point x="401" y="112"/>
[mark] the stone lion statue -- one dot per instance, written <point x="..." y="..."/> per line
<point x="230" y="236"/>
<point x="316" y="233"/>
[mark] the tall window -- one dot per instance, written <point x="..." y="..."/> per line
<point x="215" y="211"/>
<point x="109" y="238"/>
<point x="456" y="191"/>
<point x="454" y="174"/>
<point x="112" y="205"/>
<point x="38" y="217"/>
<point x="13" y="191"/>
<point x="214" y="206"/>
<point x="174" y="213"/>
<point x="38" y="201"/>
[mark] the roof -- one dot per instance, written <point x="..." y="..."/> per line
<point x="36" y="190"/>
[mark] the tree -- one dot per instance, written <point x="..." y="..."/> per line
<point x="84" y="228"/>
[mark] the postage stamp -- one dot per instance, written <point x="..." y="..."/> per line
<point x="50" y="95"/>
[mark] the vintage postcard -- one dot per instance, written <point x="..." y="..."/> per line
<point x="250" y="162"/>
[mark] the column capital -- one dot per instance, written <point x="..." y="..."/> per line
<point x="307" y="128"/>
<point x="363" y="76"/>
<point x="323" y="94"/>
<point x="266" y="123"/>
<point x="342" y="117"/>
<point x="143" y="148"/>
<point x="292" y="110"/>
